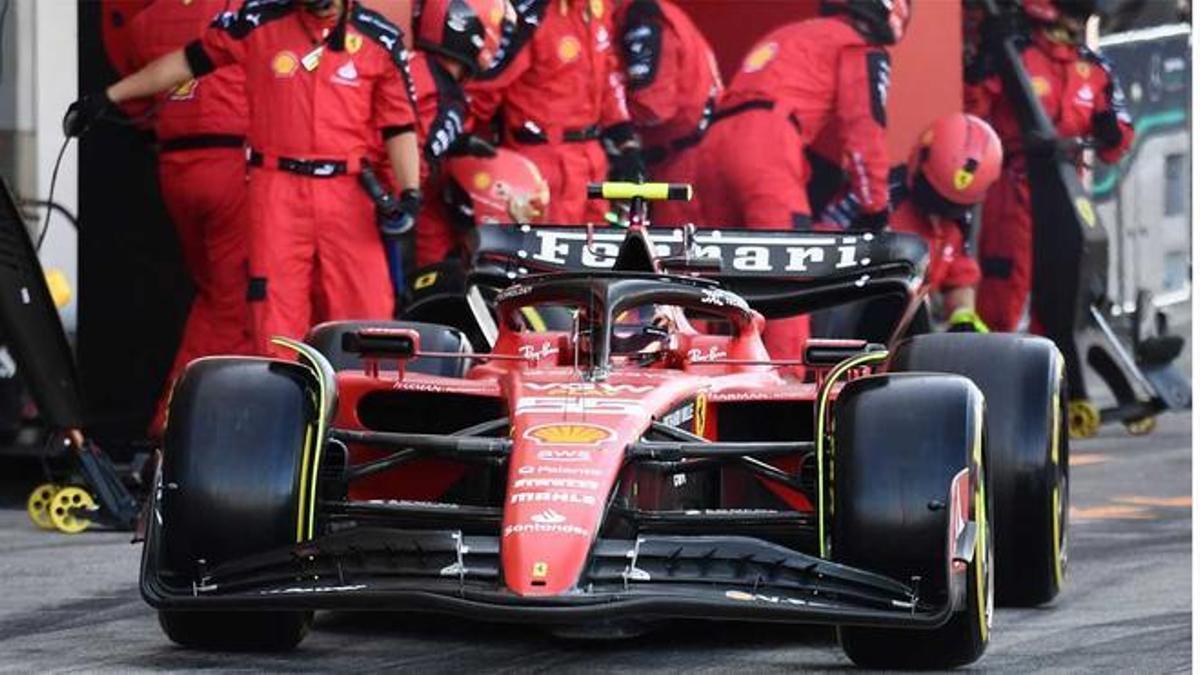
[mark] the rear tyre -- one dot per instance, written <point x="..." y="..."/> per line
<point x="1021" y="378"/>
<point x="239" y="459"/>
<point x="900" y="441"/>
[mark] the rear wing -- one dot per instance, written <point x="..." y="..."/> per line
<point x="780" y="273"/>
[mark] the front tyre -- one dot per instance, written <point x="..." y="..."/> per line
<point x="900" y="443"/>
<point x="238" y="470"/>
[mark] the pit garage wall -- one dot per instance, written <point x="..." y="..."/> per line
<point x="926" y="65"/>
<point x="1145" y="202"/>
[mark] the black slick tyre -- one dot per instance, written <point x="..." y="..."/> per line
<point x="238" y="463"/>
<point x="900" y="442"/>
<point x="1021" y="378"/>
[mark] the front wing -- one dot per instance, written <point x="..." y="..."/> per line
<point x="444" y="571"/>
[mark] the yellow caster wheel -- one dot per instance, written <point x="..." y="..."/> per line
<point x="1142" y="425"/>
<point x="38" y="505"/>
<point x="1083" y="419"/>
<point x="68" y="509"/>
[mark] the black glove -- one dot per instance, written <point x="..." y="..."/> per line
<point x="82" y="113"/>
<point x="470" y="145"/>
<point x="1106" y="129"/>
<point x="627" y="165"/>
<point x="397" y="216"/>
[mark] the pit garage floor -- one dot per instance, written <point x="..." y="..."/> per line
<point x="70" y="603"/>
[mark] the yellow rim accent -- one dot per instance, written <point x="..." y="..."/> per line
<point x="38" y="505"/>
<point x="67" y="507"/>
<point x="981" y="518"/>
<point x="535" y="320"/>
<point x="1056" y="433"/>
<point x="822" y="404"/>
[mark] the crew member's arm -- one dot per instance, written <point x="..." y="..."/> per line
<point x="623" y="146"/>
<point x="162" y="74"/>
<point x="395" y="114"/>
<point x="487" y="96"/>
<point x="650" y="53"/>
<point x="864" y="78"/>
<point x="1112" y="126"/>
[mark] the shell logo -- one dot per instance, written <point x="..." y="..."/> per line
<point x="963" y="179"/>
<point x="482" y="180"/>
<point x="185" y="91"/>
<point x="1040" y="86"/>
<point x="760" y="57"/>
<point x="569" y="434"/>
<point x="569" y="49"/>
<point x="284" y="64"/>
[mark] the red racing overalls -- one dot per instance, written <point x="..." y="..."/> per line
<point x="315" y="114"/>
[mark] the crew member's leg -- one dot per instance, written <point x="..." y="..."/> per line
<point x="205" y="195"/>
<point x="1006" y="253"/>
<point x="283" y="232"/>
<point x="352" y="271"/>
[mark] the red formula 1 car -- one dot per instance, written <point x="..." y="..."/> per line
<point x="650" y="461"/>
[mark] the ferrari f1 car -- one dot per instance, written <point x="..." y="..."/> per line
<point x="649" y="461"/>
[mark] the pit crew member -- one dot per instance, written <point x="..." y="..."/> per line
<point x="558" y="98"/>
<point x="952" y="166"/>
<point x="1083" y="99"/>
<point x="201" y="135"/>
<point x="324" y="80"/>
<point x="672" y="83"/>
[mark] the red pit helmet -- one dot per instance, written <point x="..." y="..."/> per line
<point x="955" y="162"/>
<point x="507" y="188"/>
<point x="880" y="21"/>
<point x="1050" y="11"/>
<point x="467" y="31"/>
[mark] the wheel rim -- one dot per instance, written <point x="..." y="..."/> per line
<point x="38" y="505"/>
<point x="1141" y="426"/>
<point x="1083" y="419"/>
<point x="69" y="509"/>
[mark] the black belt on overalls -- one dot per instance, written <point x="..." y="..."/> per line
<point x="755" y="104"/>
<point x="531" y="134"/>
<point x="313" y="168"/>
<point x="201" y="142"/>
